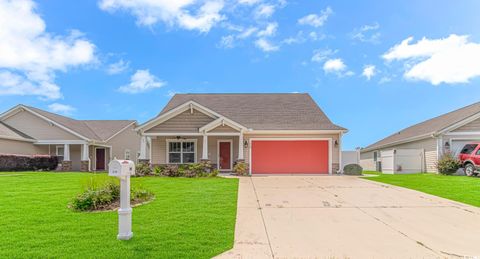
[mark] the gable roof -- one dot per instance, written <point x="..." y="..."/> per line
<point x="262" y="111"/>
<point x="7" y="132"/>
<point x="96" y="130"/>
<point x="428" y="127"/>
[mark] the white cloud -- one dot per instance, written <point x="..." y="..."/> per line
<point x="367" y="33"/>
<point x="266" y="45"/>
<point x="449" y="60"/>
<point x="316" y="20"/>
<point x="249" y="2"/>
<point x="319" y="55"/>
<point x="227" y="42"/>
<point x="118" y="67"/>
<point x="270" y="30"/>
<point x="264" y="11"/>
<point x="142" y="81"/>
<point x="30" y="57"/>
<point x="186" y="14"/>
<point x="61" y="108"/>
<point x="336" y="66"/>
<point x="369" y="71"/>
<point x="247" y="32"/>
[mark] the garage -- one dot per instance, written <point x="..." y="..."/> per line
<point x="290" y="156"/>
<point x="457" y="144"/>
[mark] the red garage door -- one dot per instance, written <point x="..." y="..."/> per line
<point x="289" y="157"/>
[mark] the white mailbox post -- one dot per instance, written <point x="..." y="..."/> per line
<point x="123" y="169"/>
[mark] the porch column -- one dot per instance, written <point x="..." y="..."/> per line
<point x="66" y="163"/>
<point x="240" y="146"/>
<point x="205" y="147"/>
<point x="85" y="163"/>
<point x="143" y="151"/>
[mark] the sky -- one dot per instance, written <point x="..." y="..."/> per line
<point x="374" y="67"/>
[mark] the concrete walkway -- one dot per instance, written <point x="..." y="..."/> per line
<point x="348" y="217"/>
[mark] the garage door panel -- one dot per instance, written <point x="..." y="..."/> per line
<point x="289" y="157"/>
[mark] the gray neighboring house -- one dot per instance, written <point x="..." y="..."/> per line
<point x="82" y="145"/>
<point x="424" y="142"/>
<point x="273" y="133"/>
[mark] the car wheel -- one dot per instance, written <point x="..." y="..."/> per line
<point x="470" y="170"/>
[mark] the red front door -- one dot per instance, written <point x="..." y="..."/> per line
<point x="290" y="157"/>
<point x="224" y="156"/>
<point x="100" y="158"/>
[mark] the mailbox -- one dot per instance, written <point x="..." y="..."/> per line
<point x="121" y="168"/>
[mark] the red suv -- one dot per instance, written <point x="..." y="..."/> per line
<point x="470" y="157"/>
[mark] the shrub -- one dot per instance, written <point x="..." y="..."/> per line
<point x="202" y="169"/>
<point x="448" y="164"/>
<point x="26" y="163"/>
<point x="213" y="173"/>
<point x="352" y="169"/>
<point x="241" y="168"/>
<point x="102" y="192"/>
<point x="143" y="169"/>
<point x="157" y="170"/>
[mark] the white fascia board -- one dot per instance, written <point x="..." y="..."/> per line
<point x="463" y="133"/>
<point x="174" y="112"/>
<point x="159" y="134"/>
<point x="17" y="139"/>
<point x="294" y="132"/>
<point x="460" y="123"/>
<point x="120" y="131"/>
<point x="59" y="142"/>
<point x="425" y="136"/>
<point x="220" y="121"/>
<point x="16" y="109"/>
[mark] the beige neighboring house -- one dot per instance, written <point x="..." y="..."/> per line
<point x="82" y="145"/>
<point x="273" y="133"/>
<point x="418" y="148"/>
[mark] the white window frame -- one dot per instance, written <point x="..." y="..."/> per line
<point x="167" y="149"/>
<point x="57" y="154"/>
<point x="125" y="154"/>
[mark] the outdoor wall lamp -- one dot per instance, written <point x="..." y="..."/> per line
<point x="245" y="144"/>
<point x="447" y="145"/>
<point x="336" y="143"/>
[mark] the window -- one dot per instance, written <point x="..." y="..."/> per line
<point x="60" y="152"/>
<point x="468" y="149"/>
<point x="181" y="151"/>
<point x="478" y="152"/>
<point x="127" y="154"/>
<point x="375" y="156"/>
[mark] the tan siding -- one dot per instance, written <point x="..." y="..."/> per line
<point x="184" y="122"/>
<point x="37" y="128"/>
<point x="224" y="128"/>
<point x="127" y="139"/>
<point x="8" y="146"/>
<point x="366" y="161"/>
<point x="213" y="147"/>
<point x="429" y="145"/>
<point x="472" y="126"/>
<point x="335" y="150"/>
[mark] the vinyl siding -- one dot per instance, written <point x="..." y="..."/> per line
<point x="223" y="129"/>
<point x="8" y="146"/>
<point x="472" y="126"/>
<point x="37" y="128"/>
<point x="127" y="139"/>
<point x="184" y="122"/>
<point x="366" y="161"/>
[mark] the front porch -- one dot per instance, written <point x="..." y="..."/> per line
<point x="79" y="155"/>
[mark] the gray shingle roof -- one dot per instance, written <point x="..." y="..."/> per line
<point x="262" y="111"/>
<point x="99" y="130"/>
<point x="430" y="126"/>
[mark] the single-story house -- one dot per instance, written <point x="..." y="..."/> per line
<point x="273" y="133"/>
<point x="419" y="147"/>
<point x="81" y="145"/>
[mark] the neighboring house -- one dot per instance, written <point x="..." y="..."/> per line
<point x="418" y="148"/>
<point x="273" y="133"/>
<point x="82" y="145"/>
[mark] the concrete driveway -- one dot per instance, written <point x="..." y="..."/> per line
<point x="348" y="217"/>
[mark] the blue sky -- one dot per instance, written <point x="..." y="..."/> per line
<point x="119" y="59"/>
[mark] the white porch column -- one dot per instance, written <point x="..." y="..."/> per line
<point x="205" y="147"/>
<point x="85" y="155"/>
<point x="143" y="148"/>
<point x="240" y="146"/>
<point x="66" y="152"/>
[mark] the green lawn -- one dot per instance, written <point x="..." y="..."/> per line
<point x="458" y="188"/>
<point x="189" y="218"/>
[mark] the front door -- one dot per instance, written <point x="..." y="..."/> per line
<point x="100" y="159"/>
<point x="225" y="155"/>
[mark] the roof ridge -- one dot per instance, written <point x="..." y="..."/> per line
<point x="93" y="131"/>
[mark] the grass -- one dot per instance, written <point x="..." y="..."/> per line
<point x="189" y="218"/>
<point x="458" y="188"/>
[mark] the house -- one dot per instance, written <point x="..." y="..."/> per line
<point x="273" y="133"/>
<point x="418" y="148"/>
<point x="81" y="145"/>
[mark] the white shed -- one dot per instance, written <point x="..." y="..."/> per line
<point x="402" y="161"/>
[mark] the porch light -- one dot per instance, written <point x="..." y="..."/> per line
<point x="245" y="144"/>
<point x="447" y="145"/>
<point x="336" y="143"/>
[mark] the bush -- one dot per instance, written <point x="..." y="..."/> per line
<point x="202" y="169"/>
<point x="103" y="193"/>
<point x="241" y="168"/>
<point x="352" y="169"/>
<point x="28" y="163"/>
<point x="143" y="169"/>
<point x="448" y="164"/>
